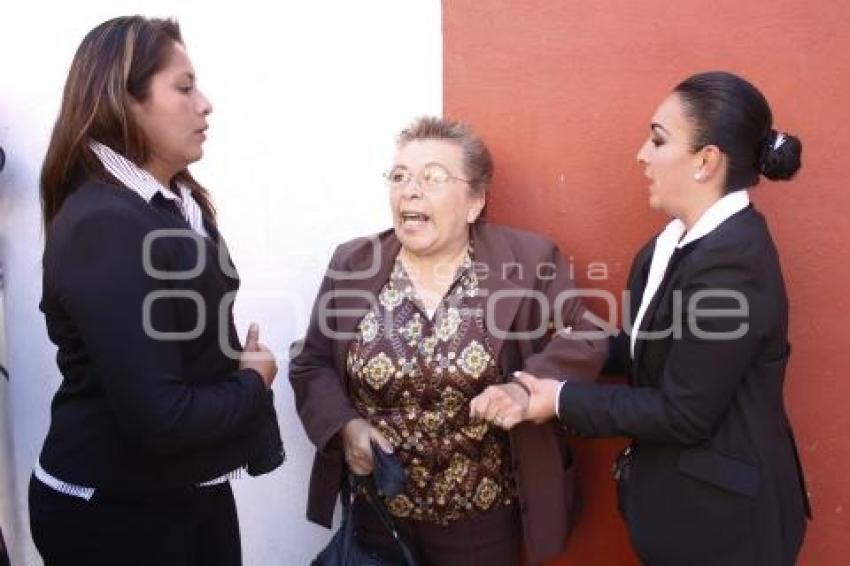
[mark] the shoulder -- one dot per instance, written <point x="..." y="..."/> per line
<point x="363" y="249"/>
<point x="96" y="201"/>
<point x="742" y="239"/>
<point x="100" y="214"/>
<point x="739" y="254"/>
<point x="520" y="243"/>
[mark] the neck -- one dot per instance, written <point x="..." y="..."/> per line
<point x="161" y="172"/>
<point x="454" y="253"/>
<point x="697" y="208"/>
<point x="436" y="266"/>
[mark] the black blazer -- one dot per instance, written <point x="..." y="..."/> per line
<point x="135" y="412"/>
<point x="715" y="477"/>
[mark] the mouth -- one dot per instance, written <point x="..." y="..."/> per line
<point x="414" y="218"/>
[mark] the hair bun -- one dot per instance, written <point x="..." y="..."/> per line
<point x="780" y="156"/>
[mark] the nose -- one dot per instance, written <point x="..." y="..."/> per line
<point x="204" y="105"/>
<point x="412" y="188"/>
<point x="642" y="154"/>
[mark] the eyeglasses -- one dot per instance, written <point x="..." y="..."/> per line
<point x="431" y="177"/>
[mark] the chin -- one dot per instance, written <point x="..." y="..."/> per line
<point x="414" y="246"/>
<point x="194" y="156"/>
<point x="654" y="203"/>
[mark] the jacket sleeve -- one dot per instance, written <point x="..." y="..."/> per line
<point x="320" y="396"/>
<point x="701" y="373"/>
<point x="100" y="280"/>
<point x="576" y="347"/>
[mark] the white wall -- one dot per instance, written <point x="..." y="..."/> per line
<point x="307" y="99"/>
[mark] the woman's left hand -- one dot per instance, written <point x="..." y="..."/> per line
<point x="502" y="405"/>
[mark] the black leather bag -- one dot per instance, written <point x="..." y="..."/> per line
<point x="621" y="470"/>
<point x="344" y="548"/>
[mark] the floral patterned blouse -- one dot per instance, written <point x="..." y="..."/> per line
<point x="412" y="377"/>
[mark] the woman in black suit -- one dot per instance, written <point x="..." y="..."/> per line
<point x="712" y="474"/>
<point x="158" y="405"/>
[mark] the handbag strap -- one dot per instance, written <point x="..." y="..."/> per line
<point x="347" y="522"/>
<point x="377" y="503"/>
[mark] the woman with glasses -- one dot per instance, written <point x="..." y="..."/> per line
<point x="712" y="475"/>
<point x="409" y="326"/>
<point x="158" y="406"/>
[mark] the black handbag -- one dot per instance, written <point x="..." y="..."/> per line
<point x="344" y="549"/>
<point x="621" y="470"/>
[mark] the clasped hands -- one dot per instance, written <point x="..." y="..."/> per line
<point x="527" y="398"/>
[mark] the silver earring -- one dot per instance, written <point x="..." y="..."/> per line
<point x="697" y="176"/>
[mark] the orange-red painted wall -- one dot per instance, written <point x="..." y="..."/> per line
<point x="563" y="91"/>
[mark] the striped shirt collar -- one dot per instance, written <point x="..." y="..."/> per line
<point x="146" y="186"/>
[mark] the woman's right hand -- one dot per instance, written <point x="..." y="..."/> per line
<point x="258" y="357"/>
<point x="357" y="435"/>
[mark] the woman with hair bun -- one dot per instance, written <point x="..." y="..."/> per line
<point x="712" y="475"/>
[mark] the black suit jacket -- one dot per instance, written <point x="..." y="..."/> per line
<point x="136" y="412"/>
<point x="715" y="477"/>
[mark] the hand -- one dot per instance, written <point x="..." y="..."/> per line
<point x="258" y="357"/>
<point x="357" y="435"/>
<point x="503" y="405"/>
<point x="541" y="404"/>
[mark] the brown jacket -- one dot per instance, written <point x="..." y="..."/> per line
<point x="523" y="275"/>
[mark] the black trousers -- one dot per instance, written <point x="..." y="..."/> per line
<point x="194" y="526"/>
<point x="4" y="556"/>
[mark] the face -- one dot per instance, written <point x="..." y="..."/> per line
<point x="173" y="117"/>
<point x="433" y="219"/>
<point x="668" y="159"/>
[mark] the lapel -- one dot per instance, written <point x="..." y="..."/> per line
<point x="493" y="254"/>
<point x="638" y="276"/>
<point x="357" y="285"/>
<point x="220" y="253"/>
<point x="661" y="295"/>
<point x="637" y="279"/>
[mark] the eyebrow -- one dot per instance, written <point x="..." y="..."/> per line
<point x="657" y="126"/>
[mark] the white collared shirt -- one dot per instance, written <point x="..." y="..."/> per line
<point x="674" y="237"/>
<point x="146" y="186"/>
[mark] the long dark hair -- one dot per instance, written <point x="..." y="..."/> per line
<point x="115" y="61"/>
<point x="730" y="113"/>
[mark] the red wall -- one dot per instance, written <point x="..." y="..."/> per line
<point x="562" y="91"/>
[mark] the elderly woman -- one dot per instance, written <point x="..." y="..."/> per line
<point x="412" y="324"/>
<point x="158" y="406"/>
<point x="712" y="475"/>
